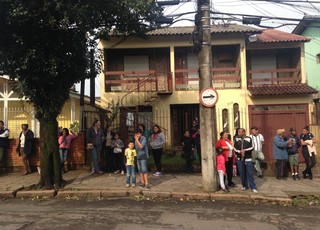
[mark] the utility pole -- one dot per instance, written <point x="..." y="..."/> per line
<point x="209" y="175"/>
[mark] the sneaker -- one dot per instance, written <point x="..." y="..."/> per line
<point x="142" y="185"/>
<point x="116" y="171"/>
<point x="157" y="174"/>
<point x="254" y="190"/>
<point x="122" y="172"/>
<point x="260" y="176"/>
<point x="133" y="185"/>
<point x="127" y="185"/>
<point x="147" y="187"/>
<point x="243" y="188"/>
<point x="226" y="190"/>
<point x="100" y="172"/>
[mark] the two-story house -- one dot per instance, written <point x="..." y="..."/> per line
<point x="259" y="76"/>
<point x="309" y="27"/>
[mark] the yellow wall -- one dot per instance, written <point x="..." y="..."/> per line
<point x="226" y="97"/>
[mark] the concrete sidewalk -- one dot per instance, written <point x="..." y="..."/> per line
<point x="181" y="186"/>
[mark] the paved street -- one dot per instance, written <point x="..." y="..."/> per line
<point x="150" y="215"/>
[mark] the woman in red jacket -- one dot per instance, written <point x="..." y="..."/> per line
<point x="227" y="146"/>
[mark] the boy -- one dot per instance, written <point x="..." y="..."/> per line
<point x="130" y="154"/>
<point x="142" y="158"/>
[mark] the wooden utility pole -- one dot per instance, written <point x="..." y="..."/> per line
<point x="209" y="175"/>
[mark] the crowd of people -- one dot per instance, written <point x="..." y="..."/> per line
<point x="245" y="152"/>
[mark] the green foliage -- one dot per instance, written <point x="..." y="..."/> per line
<point x="75" y="127"/>
<point x="44" y="48"/>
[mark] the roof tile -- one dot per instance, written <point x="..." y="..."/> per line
<point x="285" y="89"/>
<point x="275" y="36"/>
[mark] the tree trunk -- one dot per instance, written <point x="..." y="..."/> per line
<point x="51" y="175"/>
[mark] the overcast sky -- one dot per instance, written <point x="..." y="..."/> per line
<point x="273" y="8"/>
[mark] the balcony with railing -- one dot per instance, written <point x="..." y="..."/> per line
<point x="274" y="76"/>
<point x="137" y="81"/>
<point x="222" y="78"/>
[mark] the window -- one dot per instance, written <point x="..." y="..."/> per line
<point x="318" y="58"/>
<point x="225" y="120"/>
<point x="236" y="115"/>
<point x="136" y="63"/>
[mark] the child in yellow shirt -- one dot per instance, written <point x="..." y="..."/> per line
<point x="130" y="154"/>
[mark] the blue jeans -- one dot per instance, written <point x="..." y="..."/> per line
<point x="246" y="174"/>
<point x="142" y="166"/>
<point x="63" y="156"/>
<point x="131" y="172"/>
<point x="95" y="159"/>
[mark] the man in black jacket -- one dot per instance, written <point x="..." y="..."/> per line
<point x="4" y="135"/>
<point x="243" y="149"/>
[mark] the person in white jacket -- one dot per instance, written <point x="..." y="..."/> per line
<point x="157" y="141"/>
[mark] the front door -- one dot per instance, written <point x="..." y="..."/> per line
<point x="181" y="120"/>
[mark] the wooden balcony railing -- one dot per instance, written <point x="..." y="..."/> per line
<point x="275" y="76"/>
<point x="223" y="78"/>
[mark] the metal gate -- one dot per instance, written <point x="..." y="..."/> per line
<point x="269" y="118"/>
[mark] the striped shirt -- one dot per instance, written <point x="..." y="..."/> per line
<point x="257" y="141"/>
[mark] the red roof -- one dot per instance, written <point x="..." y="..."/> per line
<point x="215" y="29"/>
<point x="285" y="89"/>
<point x="275" y="36"/>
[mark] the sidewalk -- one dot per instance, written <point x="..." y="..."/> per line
<point x="181" y="186"/>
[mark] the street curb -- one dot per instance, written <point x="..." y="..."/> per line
<point x="41" y="194"/>
<point x="157" y="194"/>
<point x="192" y="196"/>
<point x="78" y="194"/>
<point x="7" y="194"/>
<point x="230" y="197"/>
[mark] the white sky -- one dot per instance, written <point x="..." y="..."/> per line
<point x="284" y="9"/>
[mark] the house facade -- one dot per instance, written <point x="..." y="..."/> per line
<point x="259" y="76"/>
<point x="309" y="27"/>
<point x="15" y="111"/>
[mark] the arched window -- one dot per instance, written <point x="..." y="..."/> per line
<point x="225" y="120"/>
<point x="236" y="115"/>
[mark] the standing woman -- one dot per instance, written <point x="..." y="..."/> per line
<point x="307" y="140"/>
<point x="109" y="156"/>
<point x="188" y="148"/>
<point x="157" y="142"/>
<point x="64" y="144"/>
<point x="228" y="154"/>
<point x="26" y="147"/>
<point x="94" y="139"/>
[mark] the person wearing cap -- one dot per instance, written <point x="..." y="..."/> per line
<point x="293" y="154"/>
<point x="280" y="153"/>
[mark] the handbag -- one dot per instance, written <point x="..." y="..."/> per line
<point x="117" y="150"/>
<point x="90" y="147"/>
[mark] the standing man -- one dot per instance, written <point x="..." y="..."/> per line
<point x="280" y="153"/>
<point x="293" y="154"/>
<point x="307" y="139"/>
<point x="26" y="147"/>
<point x="4" y="136"/>
<point x="257" y="154"/>
<point x="243" y="148"/>
<point x="94" y="138"/>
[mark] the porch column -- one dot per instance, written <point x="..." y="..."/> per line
<point x="5" y="96"/>
<point x="172" y="67"/>
<point x="243" y="66"/>
<point x="73" y="110"/>
<point x="303" y="65"/>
